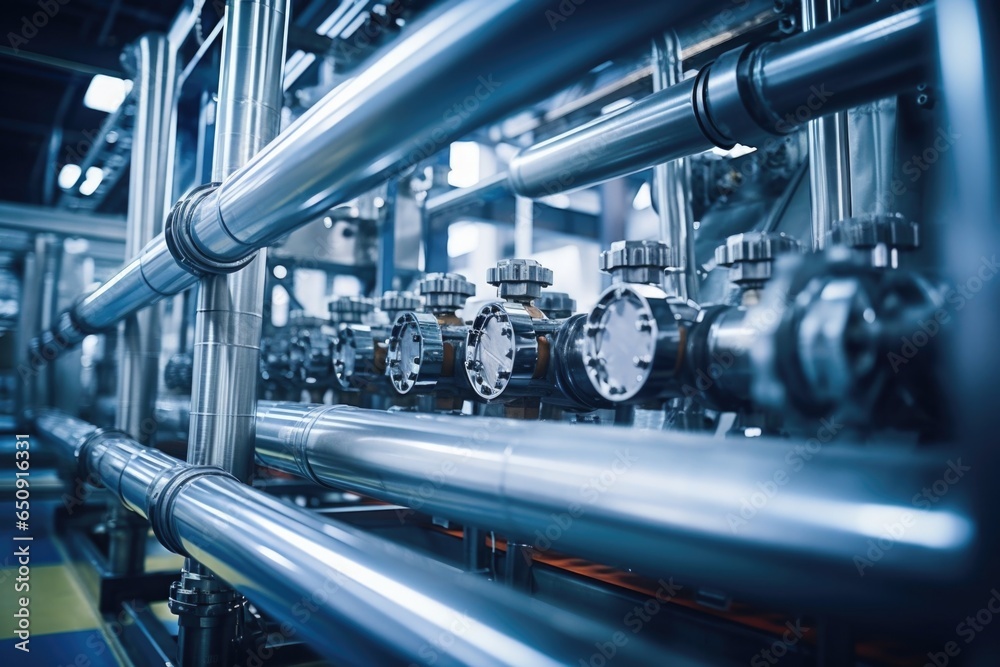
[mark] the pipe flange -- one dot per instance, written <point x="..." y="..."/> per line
<point x="634" y="339"/>
<point x="726" y="105"/>
<point x="203" y="606"/>
<point x="415" y="354"/>
<point x="160" y="499"/>
<point x="352" y="355"/>
<point x="501" y="349"/>
<point x="180" y="242"/>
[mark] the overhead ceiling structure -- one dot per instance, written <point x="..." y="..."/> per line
<point x="50" y="53"/>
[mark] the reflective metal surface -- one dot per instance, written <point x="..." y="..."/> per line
<point x="634" y="342"/>
<point x="230" y="306"/>
<point x="661" y="127"/>
<point x="745" y="96"/>
<point x="501" y="349"/>
<point x="384" y="119"/>
<point x="829" y="147"/>
<point x="415" y="353"/>
<point x="139" y="334"/>
<point x="672" y="183"/>
<point x="663" y="504"/>
<point x="369" y="602"/>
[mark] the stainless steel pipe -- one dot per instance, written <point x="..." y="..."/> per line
<point x="672" y="184"/>
<point x="355" y="598"/>
<point x="785" y="523"/>
<point x="139" y="334"/>
<point x="229" y="315"/>
<point x="829" y="147"/>
<point x="745" y="96"/>
<point x="452" y="72"/>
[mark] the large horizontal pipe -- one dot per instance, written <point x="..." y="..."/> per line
<point x="744" y="97"/>
<point x="355" y="598"/>
<point x="453" y="71"/>
<point x="792" y="525"/>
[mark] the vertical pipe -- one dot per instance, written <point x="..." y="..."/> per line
<point x="672" y="183"/>
<point x="524" y="226"/>
<point x="139" y="334"/>
<point x="28" y="324"/>
<point x="829" y="149"/>
<point x="229" y="315"/>
<point x="385" y="272"/>
<point x="226" y="350"/>
<point x="48" y="254"/>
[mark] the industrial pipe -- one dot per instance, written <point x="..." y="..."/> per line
<point x="743" y="97"/>
<point x="829" y="148"/>
<point x="357" y="599"/>
<point x="672" y="184"/>
<point x="229" y="315"/>
<point x="789" y="524"/>
<point x="226" y="351"/>
<point x="139" y="334"/>
<point x="438" y="82"/>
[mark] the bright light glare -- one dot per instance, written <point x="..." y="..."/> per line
<point x="106" y="93"/>
<point x="68" y="176"/>
<point x="738" y="150"/>
<point x="463" y="238"/>
<point x="279" y="306"/>
<point x="75" y="246"/>
<point x="616" y="105"/>
<point x="464" y="163"/>
<point x="643" y="198"/>
<point x="280" y="272"/>
<point x="558" y="201"/>
<point x="90" y="184"/>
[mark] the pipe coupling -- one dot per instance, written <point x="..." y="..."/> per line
<point x="180" y="239"/>
<point x="163" y="491"/>
<point x="728" y="104"/>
